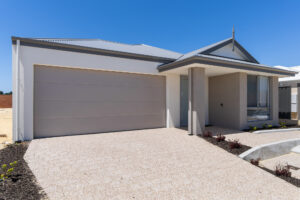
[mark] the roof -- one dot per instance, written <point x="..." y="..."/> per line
<point x="138" y="50"/>
<point x="210" y="48"/>
<point x="142" y="49"/>
<point x="170" y="59"/>
<point x="204" y="56"/>
<point x="225" y="62"/>
<point x="293" y="78"/>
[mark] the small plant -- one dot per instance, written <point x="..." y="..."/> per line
<point x="220" y="138"/>
<point x="234" y="144"/>
<point x="255" y="161"/>
<point x="252" y="128"/>
<point x="7" y="171"/>
<point x="270" y="126"/>
<point x="207" y="134"/>
<point x="282" y="170"/>
<point x="282" y="124"/>
<point x="265" y="126"/>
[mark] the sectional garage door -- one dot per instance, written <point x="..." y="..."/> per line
<point x="77" y="101"/>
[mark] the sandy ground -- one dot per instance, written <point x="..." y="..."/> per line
<point x="253" y="139"/>
<point x="148" y="164"/>
<point x="6" y="124"/>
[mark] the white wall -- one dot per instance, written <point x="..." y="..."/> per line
<point x="29" y="56"/>
<point x="173" y="100"/>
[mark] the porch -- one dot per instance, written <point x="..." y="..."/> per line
<point x="203" y="94"/>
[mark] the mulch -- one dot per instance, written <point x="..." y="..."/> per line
<point x="225" y="145"/>
<point x="22" y="183"/>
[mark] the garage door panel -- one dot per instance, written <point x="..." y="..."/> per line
<point x="88" y="108"/>
<point x="80" y="125"/>
<point x="101" y="93"/>
<point x="74" y="101"/>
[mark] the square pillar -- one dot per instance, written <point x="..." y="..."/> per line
<point x="274" y="99"/>
<point x="196" y="113"/>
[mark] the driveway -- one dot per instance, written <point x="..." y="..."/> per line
<point x="147" y="164"/>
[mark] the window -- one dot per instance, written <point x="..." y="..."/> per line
<point x="258" y="98"/>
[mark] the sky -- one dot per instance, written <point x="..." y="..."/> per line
<point x="269" y="29"/>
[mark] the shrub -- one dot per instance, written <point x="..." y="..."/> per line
<point x="6" y="172"/>
<point x="270" y="126"/>
<point x="207" y="134"/>
<point x="234" y="144"/>
<point x="253" y="128"/>
<point x="282" y="170"/>
<point x="265" y="126"/>
<point x="255" y="161"/>
<point x="220" y="138"/>
<point x="282" y="124"/>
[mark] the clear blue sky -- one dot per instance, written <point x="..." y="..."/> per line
<point x="269" y="30"/>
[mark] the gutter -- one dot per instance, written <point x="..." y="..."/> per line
<point x="224" y="62"/>
<point x="89" y="50"/>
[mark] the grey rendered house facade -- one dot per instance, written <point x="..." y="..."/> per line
<point x="82" y="86"/>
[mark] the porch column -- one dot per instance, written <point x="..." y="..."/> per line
<point x="274" y="99"/>
<point x="196" y="113"/>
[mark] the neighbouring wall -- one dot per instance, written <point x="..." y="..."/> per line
<point x="228" y="100"/>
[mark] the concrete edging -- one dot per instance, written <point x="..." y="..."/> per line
<point x="277" y="130"/>
<point x="270" y="150"/>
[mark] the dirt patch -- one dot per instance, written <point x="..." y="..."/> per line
<point x="5" y="101"/>
<point x="21" y="184"/>
<point x="5" y="125"/>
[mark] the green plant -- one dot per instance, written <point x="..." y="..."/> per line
<point x="253" y="128"/>
<point x="270" y="126"/>
<point x="282" y="124"/>
<point x="265" y="126"/>
<point x="7" y="170"/>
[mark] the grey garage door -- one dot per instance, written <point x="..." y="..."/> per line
<point x="75" y="101"/>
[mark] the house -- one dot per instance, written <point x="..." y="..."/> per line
<point x="80" y="86"/>
<point x="288" y="96"/>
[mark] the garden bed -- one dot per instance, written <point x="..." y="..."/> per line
<point x="21" y="183"/>
<point x="227" y="146"/>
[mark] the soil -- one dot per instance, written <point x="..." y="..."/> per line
<point x="225" y="145"/>
<point x="21" y="184"/>
<point x="5" y="101"/>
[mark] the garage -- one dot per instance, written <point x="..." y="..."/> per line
<point x="70" y="101"/>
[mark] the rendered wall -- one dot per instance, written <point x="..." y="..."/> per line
<point x="29" y="56"/>
<point x="228" y="100"/>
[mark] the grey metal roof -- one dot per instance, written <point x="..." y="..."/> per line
<point x="141" y="49"/>
<point x="199" y="51"/>
<point x="224" y="62"/>
<point x="208" y="49"/>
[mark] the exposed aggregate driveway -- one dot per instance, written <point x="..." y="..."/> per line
<point x="148" y="164"/>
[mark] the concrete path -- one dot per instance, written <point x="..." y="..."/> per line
<point x="253" y="139"/>
<point x="148" y="164"/>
